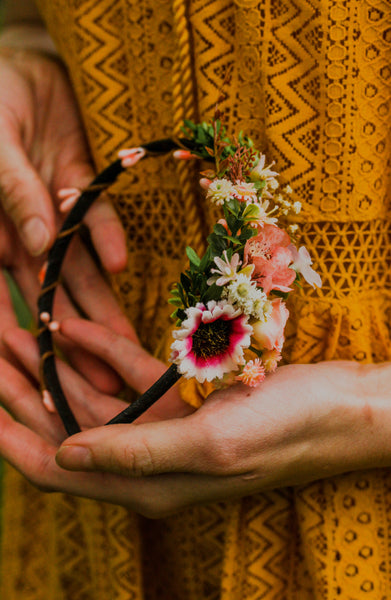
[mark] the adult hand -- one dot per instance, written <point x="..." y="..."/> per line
<point x="303" y="423"/>
<point x="43" y="148"/>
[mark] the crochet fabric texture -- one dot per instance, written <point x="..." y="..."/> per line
<point x="311" y="85"/>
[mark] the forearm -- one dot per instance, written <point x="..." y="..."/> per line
<point x="374" y="385"/>
<point x="23" y="27"/>
<point x="355" y="432"/>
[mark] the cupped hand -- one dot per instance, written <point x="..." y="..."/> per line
<point x="304" y="422"/>
<point x="43" y="149"/>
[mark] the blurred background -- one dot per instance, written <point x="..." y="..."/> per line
<point x="24" y="315"/>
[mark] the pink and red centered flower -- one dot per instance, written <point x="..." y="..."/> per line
<point x="210" y="342"/>
<point x="269" y="253"/>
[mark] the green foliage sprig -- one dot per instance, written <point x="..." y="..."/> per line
<point x="192" y="287"/>
<point x="211" y="142"/>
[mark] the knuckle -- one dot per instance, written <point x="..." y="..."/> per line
<point x="112" y="346"/>
<point x="221" y="449"/>
<point x="11" y="197"/>
<point x="86" y="281"/>
<point x="137" y="459"/>
<point x="42" y="478"/>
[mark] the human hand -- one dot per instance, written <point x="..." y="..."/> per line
<point x="305" y="422"/>
<point x="44" y="149"/>
<point x="30" y="435"/>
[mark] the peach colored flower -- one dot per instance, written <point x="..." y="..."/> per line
<point x="270" y="359"/>
<point x="269" y="253"/>
<point x="253" y="373"/>
<point x="269" y="334"/>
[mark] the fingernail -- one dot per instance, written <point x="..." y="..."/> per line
<point x="74" y="457"/>
<point x="35" y="235"/>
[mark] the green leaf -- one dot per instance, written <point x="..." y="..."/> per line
<point x="206" y="259"/>
<point x="201" y="136"/>
<point x="217" y="244"/>
<point x="283" y="295"/>
<point x="186" y="282"/>
<point x="189" y="124"/>
<point x="181" y="314"/>
<point x="232" y="239"/>
<point x="175" y="291"/>
<point x="247" y="233"/>
<point x="175" y="301"/>
<point x="213" y="293"/>
<point x="181" y="294"/>
<point x="232" y="223"/>
<point x="233" y="206"/>
<point x="250" y="211"/>
<point x="220" y="230"/>
<point x="193" y="257"/>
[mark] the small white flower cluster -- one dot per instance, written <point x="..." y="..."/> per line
<point x="287" y="207"/>
<point x="252" y="301"/>
<point x="259" y="190"/>
<point x="239" y="289"/>
<point x="220" y="191"/>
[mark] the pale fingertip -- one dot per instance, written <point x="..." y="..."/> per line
<point x="131" y="157"/>
<point x="47" y="401"/>
<point x="205" y="183"/>
<point x="131" y="151"/>
<point x="68" y="204"/>
<point x="64" y="193"/>
<point x="54" y="326"/>
<point x="69" y="198"/>
<point x="183" y="155"/>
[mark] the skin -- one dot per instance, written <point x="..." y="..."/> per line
<point x="303" y="423"/>
<point x="43" y="149"/>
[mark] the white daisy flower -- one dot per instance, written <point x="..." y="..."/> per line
<point x="220" y="191"/>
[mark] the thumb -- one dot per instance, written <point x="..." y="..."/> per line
<point x="24" y="196"/>
<point x="135" y="450"/>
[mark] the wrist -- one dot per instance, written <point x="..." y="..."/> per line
<point x="374" y="393"/>
<point x="27" y="36"/>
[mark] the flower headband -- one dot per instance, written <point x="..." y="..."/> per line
<point x="229" y="304"/>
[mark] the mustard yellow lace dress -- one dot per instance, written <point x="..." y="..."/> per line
<point x="311" y="84"/>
